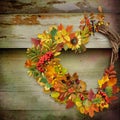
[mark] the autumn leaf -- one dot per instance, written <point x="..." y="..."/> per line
<point x="59" y="47"/>
<point x="113" y="98"/>
<point x="115" y="89"/>
<point x="112" y="82"/>
<point x="60" y="27"/>
<point x="93" y="108"/>
<point x="69" y="28"/>
<point x="69" y="104"/>
<point x="103" y="80"/>
<point x="55" y="94"/>
<point x="72" y="35"/>
<point x="29" y="63"/>
<point x="91" y="94"/>
<point x="35" y="41"/>
<point x="61" y="97"/>
<point x="104" y="85"/>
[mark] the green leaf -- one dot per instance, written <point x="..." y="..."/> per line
<point x="96" y="100"/>
<point x="86" y="103"/>
<point x="53" y="32"/>
<point x="48" y="85"/>
<point x="108" y="91"/>
<point x="55" y="94"/>
<point x="43" y="80"/>
<point x="65" y="47"/>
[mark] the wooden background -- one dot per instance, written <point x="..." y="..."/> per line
<point x="21" y="98"/>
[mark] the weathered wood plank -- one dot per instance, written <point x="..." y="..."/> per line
<point x="16" y="31"/>
<point x="40" y="115"/>
<point x="56" y="115"/>
<point x="57" y="6"/>
<point x="90" y="67"/>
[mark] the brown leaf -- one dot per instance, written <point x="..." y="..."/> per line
<point x="59" y="47"/>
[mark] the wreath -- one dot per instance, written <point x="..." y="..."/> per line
<point x="44" y="65"/>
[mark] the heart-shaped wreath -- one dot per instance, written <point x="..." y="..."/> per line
<point x="46" y="68"/>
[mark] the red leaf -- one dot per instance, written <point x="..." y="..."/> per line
<point x="61" y="97"/>
<point x="104" y="85"/>
<point x="113" y="98"/>
<point x="35" y="41"/>
<point x="70" y="104"/>
<point x="91" y="94"/>
<point x="115" y="89"/>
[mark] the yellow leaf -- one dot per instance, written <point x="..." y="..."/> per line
<point x="55" y="94"/>
<point x="57" y="53"/>
<point x="82" y="110"/>
<point x="103" y="80"/>
<point x="78" y="104"/>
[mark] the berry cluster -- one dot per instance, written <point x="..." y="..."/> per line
<point x="45" y="58"/>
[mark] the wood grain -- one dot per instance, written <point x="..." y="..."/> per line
<point x="12" y="27"/>
<point x="56" y="115"/>
<point x="20" y="92"/>
<point x="14" y="78"/>
<point x="57" y="6"/>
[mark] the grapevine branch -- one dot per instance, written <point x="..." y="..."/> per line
<point x="114" y="39"/>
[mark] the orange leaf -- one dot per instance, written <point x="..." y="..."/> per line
<point x="69" y="28"/>
<point x="60" y="27"/>
<point x="28" y="63"/>
<point x="93" y="108"/>
<point x="72" y="35"/>
<point x="112" y="82"/>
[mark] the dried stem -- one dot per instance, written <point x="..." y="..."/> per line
<point x="114" y="39"/>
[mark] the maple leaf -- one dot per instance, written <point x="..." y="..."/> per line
<point x="70" y="104"/>
<point x="35" y="41"/>
<point x="60" y="27"/>
<point x="69" y="28"/>
<point x="91" y="94"/>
